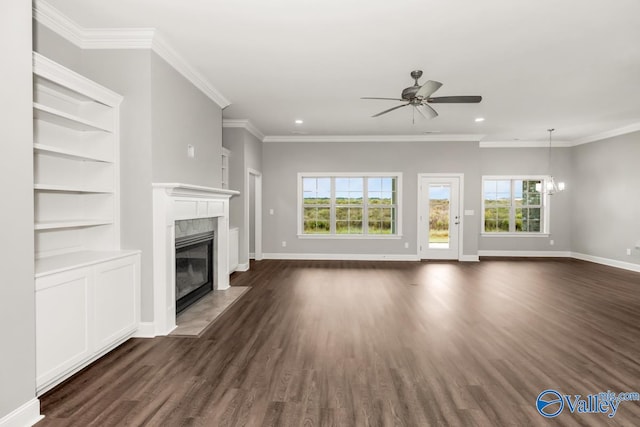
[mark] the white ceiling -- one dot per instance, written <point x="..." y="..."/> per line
<point x="571" y="64"/>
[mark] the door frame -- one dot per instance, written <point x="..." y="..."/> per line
<point x="257" y="175"/>
<point x="420" y="233"/>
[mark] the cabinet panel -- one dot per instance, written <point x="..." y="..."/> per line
<point x="116" y="301"/>
<point x="62" y="322"/>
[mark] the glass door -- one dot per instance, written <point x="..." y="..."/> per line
<point x="439" y="217"/>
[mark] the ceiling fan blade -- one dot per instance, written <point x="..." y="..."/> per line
<point x="426" y="111"/>
<point x="390" y="109"/>
<point x="386" y="99"/>
<point x="428" y="88"/>
<point x="455" y="99"/>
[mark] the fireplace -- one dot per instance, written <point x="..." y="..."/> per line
<point x="194" y="268"/>
<point x="175" y="206"/>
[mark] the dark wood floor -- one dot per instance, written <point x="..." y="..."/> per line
<point x="380" y="343"/>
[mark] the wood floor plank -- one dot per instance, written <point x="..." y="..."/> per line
<point x="353" y="343"/>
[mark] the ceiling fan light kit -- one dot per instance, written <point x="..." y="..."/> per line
<point x="419" y="96"/>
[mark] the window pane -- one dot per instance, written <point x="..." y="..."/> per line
<point x="316" y="221"/>
<point x="349" y="191"/>
<point x="316" y="191"/>
<point x="529" y="220"/>
<point x="381" y="220"/>
<point x="348" y="220"/>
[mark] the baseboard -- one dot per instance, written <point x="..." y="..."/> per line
<point x="26" y="415"/>
<point x="252" y="255"/>
<point x="526" y="254"/>
<point x="243" y="267"/>
<point x="469" y="258"/>
<point x="145" y="330"/>
<point x="342" y="257"/>
<point x="607" y="261"/>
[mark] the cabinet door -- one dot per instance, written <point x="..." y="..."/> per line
<point x="116" y="300"/>
<point x="63" y="323"/>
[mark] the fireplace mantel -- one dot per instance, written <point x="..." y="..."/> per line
<point x="173" y="202"/>
<point x="185" y="190"/>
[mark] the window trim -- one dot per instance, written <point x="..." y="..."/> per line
<point x="364" y="175"/>
<point x="544" y="232"/>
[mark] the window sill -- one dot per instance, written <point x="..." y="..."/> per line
<point x="349" y="237"/>
<point x="514" y="234"/>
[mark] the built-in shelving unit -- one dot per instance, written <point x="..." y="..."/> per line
<point x="87" y="287"/>
<point x="75" y="164"/>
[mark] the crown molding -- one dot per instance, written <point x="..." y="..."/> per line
<point x="244" y="124"/>
<point x="166" y="52"/>
<point x="53" y="19"/>
<point x="525" y="144"/>
<point x="123" y="38"/>
<point x="375" y="138"/>
<point x="117" y="38"/>
<point x="635" y="127"/>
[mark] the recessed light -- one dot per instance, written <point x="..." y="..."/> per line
<point x="299" y="122"/>
<point x="479" y="119"/>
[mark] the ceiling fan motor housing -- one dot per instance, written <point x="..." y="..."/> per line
<point x="410" y="92"/>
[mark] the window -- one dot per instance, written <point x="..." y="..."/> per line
<point x="349" y="205"/>
<point x="514" y="205"/>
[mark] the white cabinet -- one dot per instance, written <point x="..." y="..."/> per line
<point x="82" y="313"/>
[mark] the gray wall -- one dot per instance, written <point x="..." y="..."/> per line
<point x="246" y="153"/>
<point x="533" y="161"/>
<point x="605" y="201"/>
<point x="182" y="115"/>
<point x="56" y="48"/>
<point x="128" y="72"/>
<point x="17" y="289"/>
<point x="283" y="161"/>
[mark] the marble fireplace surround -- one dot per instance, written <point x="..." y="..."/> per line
<point x="173" y="202"/>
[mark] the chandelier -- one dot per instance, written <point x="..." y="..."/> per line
<point x="552" y="187"/>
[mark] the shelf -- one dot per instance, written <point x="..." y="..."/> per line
<point x="56" y="225"/>
<point x="68" y="154"/>
<point x="60" y="118"/>
<point x="58" y="263"/>
<point x="70" y="189"/>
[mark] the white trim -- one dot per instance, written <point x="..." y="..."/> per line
<point x="145" y="330"/>
<point x="351" y="236"/>
<point x="342" y="257"/>
<point x="375" y="138"/>
<point x="469" y="258"/>
<point x="522" y="234"/>
<point x="526" y="254"/>
<point x="524" y="144"/>
<point x="26" y="415"/>
<point x="123" y="38"/>
<point x="608" y="134"/>
<point x="243" y="267"/>
<point x="244" y="124"/>
<point x="607" y="261"/>
<point x="419" y="236"/>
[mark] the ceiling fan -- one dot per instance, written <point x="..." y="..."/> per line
<point x="420" y="97"/>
